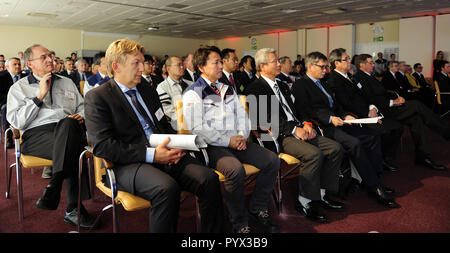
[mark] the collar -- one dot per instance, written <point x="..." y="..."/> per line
<point x="342" y="74"/>
<point x="313" y="79"/>
<point x="269" y="81"/>
<point x="367" y="73"/>
<point x="444" y="74"/>
<point x="172" y="81"/>
<point x="101" y="75"/>
<point x="286" y="75"/>
<point x="226" y="73"/>
<point x="32" y="78"/>
<point x="393" y="74"/>
<point x="190" y="72"/>
<point x="401" y="73"/>
<point x="123" y="87"/>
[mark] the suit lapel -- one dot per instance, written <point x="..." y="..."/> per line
<point x="153" y="105"/>
<point x="319" y="91"/>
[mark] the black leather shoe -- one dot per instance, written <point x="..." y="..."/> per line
<point x="390" y="167"/>
<point x="87" y="221"/>
<point x="381" y="197"/>
<point x="50" y="198"/>
<point x="328" y="203"/>
<point x="263" y="218"/>
<point x="430" y="164"/>
<point x="311" y="211"/>
<point x="388" y="190"/>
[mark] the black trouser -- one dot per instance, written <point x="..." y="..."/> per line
<point x="391" y="132"/>
<point x="62" y="143"/>
<point x="416" y="115"/>
<point x="229" y="162"/>
<point x="321" y="160"/>
<point x="162" y="186"/>
<point x="364" y="148"/>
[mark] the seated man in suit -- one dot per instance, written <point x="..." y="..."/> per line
<point x="172" y="88"/>
<point x="81" y="73"/>
<point x="411" y="113"/>
<point x="121" y="115"/>
<point x="189" y="73"/>
<point x="230" y="65"/>
<point x="443" y="81"/>
<point x="49" y="111"/>
<point x="350" y="96"/>
<point x="397" y="82"/>
<point x="147" y="77"/>
<point x="69" y="70"/>
<point x="362" y="144"/>
<point x="321" y="157"/>
<point x="442" y="78"/>
<point x="100" y="77"/>
<point x="286" y="68"/>
<point x="213" y="112"/>
<point x="247" y="76"/>
<point x="8" y="77"/>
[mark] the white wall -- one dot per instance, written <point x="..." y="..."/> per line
<point x="416" y="42"/>
<point x="443" y="35"/>
<point x="342" y="37"/>
<point x="316" y="40"/>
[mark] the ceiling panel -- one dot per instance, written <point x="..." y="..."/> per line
<point x="208" y="19"/>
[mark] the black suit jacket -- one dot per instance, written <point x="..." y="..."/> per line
<point x="420" y="80"/>
<point x="77" y="78"/>
<point x="155" y="80"/>
<point x="443" y="82"/>
<point x="374" y="91"/>
<point x="244" y="80"/>
<point x="397" y="85"/>
<point x="225" y="80"/>
<point x="114" y="129"/>
<point x="261" y="87"/>
<point x="310" y="99"/>
<point x="349" y="94"/>
<point x="6" y="82"/>
<point x="284" y="78"/>
<point x="71" y="76"/>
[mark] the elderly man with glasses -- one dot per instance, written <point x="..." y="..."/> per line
<point x="49" y="111"/>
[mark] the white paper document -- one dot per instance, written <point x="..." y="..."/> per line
<point x="182" y="141"/>
<point x="363" y="121"/>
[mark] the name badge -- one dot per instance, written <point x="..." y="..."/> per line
<point x="359" y="85"/>
<point x="69" y="95"/>
<point x="159" y="114"/>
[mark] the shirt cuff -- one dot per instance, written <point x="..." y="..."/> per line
<point x="329" y="121"/>
<point x="391" y="103"/>
<point x="150" y="155"/>
<point x="37" y="102"/>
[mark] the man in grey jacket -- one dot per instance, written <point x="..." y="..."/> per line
<point x="49" y="112"/>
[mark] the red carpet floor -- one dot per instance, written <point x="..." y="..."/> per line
<point x="422" y="193"/>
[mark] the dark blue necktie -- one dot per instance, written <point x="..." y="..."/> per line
<point x="141" y="110"/>
<point x="16" y="78"/>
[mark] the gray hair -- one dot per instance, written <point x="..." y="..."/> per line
<point x="28" y="54"/>
<point x="80" y="61"/>
<point x="262" y="56"/>
<point x="336" y="55"/>
<point x="284" y="59"/>
<point x="314" y="58"/>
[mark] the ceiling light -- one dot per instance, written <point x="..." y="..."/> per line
<point x="177" y="6"/>
<point x="41" y="15"/>
<point x="287" y="11"/>
<point x="153" y="28"/>
<point x="335" y="11"/>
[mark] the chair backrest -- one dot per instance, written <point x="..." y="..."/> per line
<point x="438" y="93"/>
<point x="82" y="87"/>
<point x="99" y="170"/>
<point x="181" y="124"/>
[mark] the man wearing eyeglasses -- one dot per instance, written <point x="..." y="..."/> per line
<point x="349" y="94"/>
<point x="173" y="87"/>
<point x="49" y="111"/>
<point x="316" y="99"/>
<point x="147" y="76"/>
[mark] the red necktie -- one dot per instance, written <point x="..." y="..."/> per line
<point x="231" y="80"/>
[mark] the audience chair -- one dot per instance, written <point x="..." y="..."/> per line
<point x="103" y="167"/>
<point x="286" y="158"/>
<point x="129" y="202"/>
<point x="22" y="161"/>
<point x="438" y="99"/>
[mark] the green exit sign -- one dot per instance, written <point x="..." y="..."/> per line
<point x="380" y="38"/>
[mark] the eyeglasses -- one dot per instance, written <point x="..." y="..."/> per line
<point x="345" y="59"/>
<point x="274" y="61"/>
<point x="177" y="65"/>
<point x="371" y="63"/>
<point x="43" y="57"/>
<point x="323" y="67"/>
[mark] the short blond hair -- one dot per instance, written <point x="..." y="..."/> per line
<point x="118" y="51"/>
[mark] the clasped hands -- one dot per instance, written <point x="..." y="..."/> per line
<point x="166" y="155"/>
